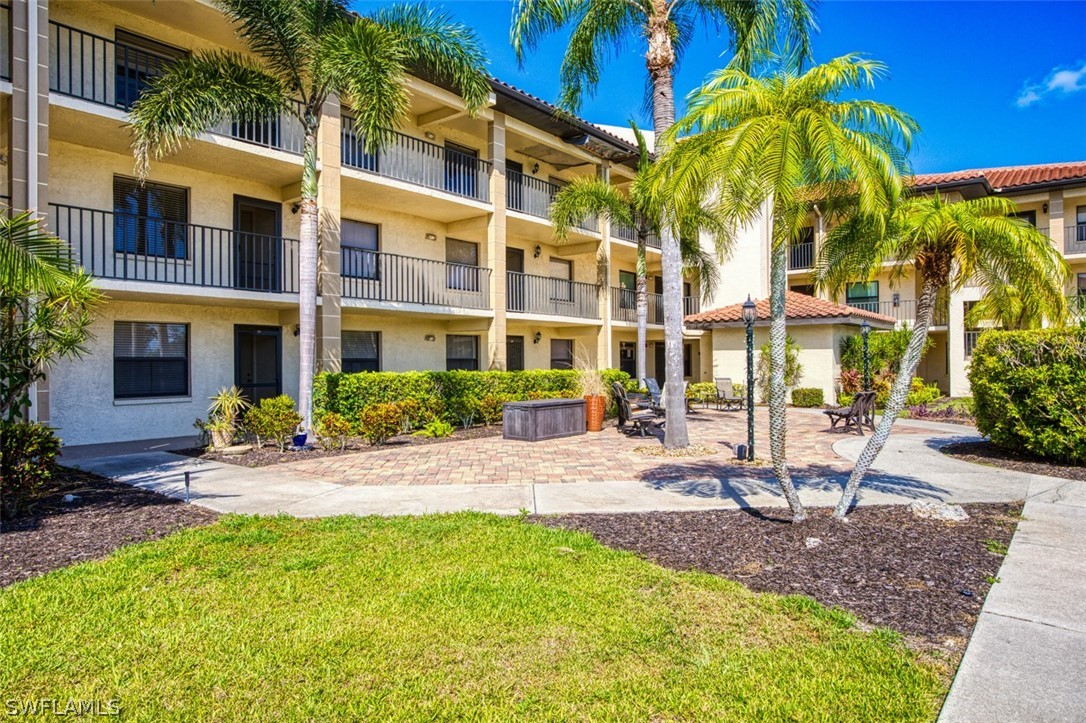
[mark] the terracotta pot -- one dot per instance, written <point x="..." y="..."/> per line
<point x="595" y="407"/>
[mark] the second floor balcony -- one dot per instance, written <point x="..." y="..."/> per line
<point x="533" y="196"/>
<point x="143" y="248"/>
<point x="904" y="311"/>
<point x="801" y="256"/>
<point x="379" y="276"/>
<point x="624" y="306"/>
<point x="1075" y="239"/>
<point x="629" y="233"/>
<point x="546" y="296"/>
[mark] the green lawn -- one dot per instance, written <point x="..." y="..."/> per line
<point x="447" y="616"/>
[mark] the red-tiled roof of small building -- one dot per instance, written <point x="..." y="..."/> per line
<point x="797" y="307"/>
<point x="1007" y="177"/>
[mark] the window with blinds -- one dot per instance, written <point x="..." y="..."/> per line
<point x="361" y="351"/>
<point x="359" y="244"/>
<point x="150" y="219"/>
<point x="561" y="353"/>
<point x="150" y="359"/>
<point x="139" y="61"/>
<point x="561" y="271"/>
<point x="462" y="352"/>
<point x="463" y="260"/>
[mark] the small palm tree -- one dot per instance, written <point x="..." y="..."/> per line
<point x="603" y="27"/>
<point x="591" y="196"/>
<point x="303" y="53"/>
<point x="783" y="141"/>
<point x="947" y="246"/>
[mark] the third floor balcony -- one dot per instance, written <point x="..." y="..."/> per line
<point x="546" y="296"/>
<point x="1074" y="241"/>
<point x="533" y="196"/>
<point x="383" y="277"/>
<point x="624" y="306"/>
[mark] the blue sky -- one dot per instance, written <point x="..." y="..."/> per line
<point x="991" y="83"/>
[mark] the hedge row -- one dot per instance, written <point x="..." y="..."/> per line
<point x="1029" y="391"/>
<point x="444" y="393"/>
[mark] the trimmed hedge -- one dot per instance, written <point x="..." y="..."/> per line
<point x="1029" y="391"/>
<point x="444" y="394"/>
<point x="807" y="397"/>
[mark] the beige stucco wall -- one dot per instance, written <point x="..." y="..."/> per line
<point x="83" y="408"/>
<point x="818" y="354"/>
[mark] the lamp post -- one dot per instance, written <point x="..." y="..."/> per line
<point x="750" y="311"/>
<point x="865" y="329"/>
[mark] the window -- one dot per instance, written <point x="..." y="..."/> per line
<point x="562" y="271"/>
<point x="1029" y="216"/>
<point x="149" y="219"/>
<point x="463" y="259"/>
<point x="805" y="289"/>
<point x="354" y="148"/>
<point x="514" y="186"/>
<point x="1082" y="284"/>
<point x="460" y="170"/>
<point x="361" y="351"/>
<point x="514" y="353"/>
<point x="627" y="294"/>
<point x="1079" y="232"/>
<point x="462" y="352"/>
<point x="139" y="60"/>
<point x="627" y="280"/>
<point x="561" y="353"/>
<point x="863" y="295"/>
<point x="150" y="360"/>
<point x="359" y="242"/>
<point x="627" y="357"/>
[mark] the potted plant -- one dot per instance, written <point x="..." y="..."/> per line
<point x="594" y="390"/>
<point x="227" y="404"/>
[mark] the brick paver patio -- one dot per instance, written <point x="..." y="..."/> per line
<point x="603" y="456"/>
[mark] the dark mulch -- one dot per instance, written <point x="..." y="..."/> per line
<point x="267" y="455"/>
<point x="922" y="578"/>
<point x="106" y="515"/>
<point x="985" y="452"/>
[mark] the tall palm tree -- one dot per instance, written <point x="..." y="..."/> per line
<point x="602" y="28"/>
<point x="786" y="140"/>
<point x="591" y="196"/>
<point x="946" y="245"/>
<point x="303" y="53"/>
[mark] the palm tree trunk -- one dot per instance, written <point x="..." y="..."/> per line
<point x="925" y="308"/>
<point x="778" y="333"/>
<point x="642" y="303"/>
<point x="307" y="280"/>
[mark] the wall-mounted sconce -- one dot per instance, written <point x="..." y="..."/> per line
<point x="537" y="338"/>
<point x="431" y="237"/>
<point x="294" y="208"/>
<point x="537" y="252"/>
<point x="430" y="337"/>
<point x="535" y="168"/>
<point x="297" y="330"/>
<point x="429" y="135"/>
<point x="897" y="299"/>
<point x="1044" y="207"/>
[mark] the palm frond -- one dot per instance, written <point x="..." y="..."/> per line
<point x="585" y="197"/>
<point x="32" y="261"/>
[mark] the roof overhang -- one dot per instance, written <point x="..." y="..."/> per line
<point x="849" y="320"/>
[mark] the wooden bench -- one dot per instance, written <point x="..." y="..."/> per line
<point x="859" y="414"/>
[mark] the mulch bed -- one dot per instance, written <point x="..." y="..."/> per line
<point x="922" y="578"/>
<point x="984" y="452"/>
<point x="106" y="515"/>
<point x="268" y="455"/>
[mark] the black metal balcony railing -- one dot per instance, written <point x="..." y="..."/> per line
<point x="534" y="197"/>
<point x="801" y="256"/>
<point x="529" y="294"/>
<point x="376" y="276"/>
<point x="624" y="306"/>
<point x="629" y="233"/>
<point x="419" y="162"/>
<point x="904" y="311"/>
<point x="99" y="70"/>
<point x="5" y="42"/>
<point x="1075" y="239"/>
<point x="147" y="249"/>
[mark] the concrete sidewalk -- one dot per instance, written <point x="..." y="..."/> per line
<point x="1026" y="660"/>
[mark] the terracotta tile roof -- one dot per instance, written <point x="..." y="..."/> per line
<point x="1008" y="177"/>
<point x="796" y="306"/>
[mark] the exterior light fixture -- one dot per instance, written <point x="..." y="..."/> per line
<point x="865" y="329"/>
<point x="431" y="237"/>
<point x="538" y="251"/>
<point x="750" y="312"/>
<point x="537" y="338"/>
<point x="535" y="168"/>
<point x="430" y="337"/>
<point x="429" y="135"/>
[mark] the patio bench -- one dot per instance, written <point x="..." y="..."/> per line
<point x="859" y="414"/>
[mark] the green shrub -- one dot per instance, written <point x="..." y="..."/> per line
<point x="462" y="411"/>
<point x="380" y="422"/>
<point x="490" y="408"/>
<point x="920" y="393"/>
<point x="1029" y="391"/>
<point x="333" y="430"/>
<point x="807" y="397"/>
<point x="273" y="420"/>
<point x="28" y="454"/>
<point x="436" y="428"/>
<point x="844" y="399"/>
<point x="885" y="350"/>
<point x="793" y="370"/>
<point x="701" y="391"/>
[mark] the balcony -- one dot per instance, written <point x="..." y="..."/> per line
<point x="533" y="196"/>
<point x="418" y="162"/>
<point x="801" y="256"/>
<point x="904" y="311"/>
<point x="102" y="71"/>
<point x="145" y="249"/>
<point x="629" y="233"/>
<point x="1074" y="239"/>
<point x="624" y="306"/>
<point x="377" y="276"/>
<point x="542" y="295"/>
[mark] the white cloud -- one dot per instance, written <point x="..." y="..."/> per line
<point x="1061" y="81"/>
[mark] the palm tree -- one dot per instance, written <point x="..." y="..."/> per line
<point x="591" y="196"/>
<point x="604" y="27"/>
<point x="303" y="53"/>
<point x="784" y="141"/>
<point x="947" y="245"/>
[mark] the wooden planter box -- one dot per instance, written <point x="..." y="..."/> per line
<point x="540" y="419"/>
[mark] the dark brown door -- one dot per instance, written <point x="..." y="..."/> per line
<point x="514" y="267"/>
<point x="257" y="246"/>
<point x="258" y="361"/>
